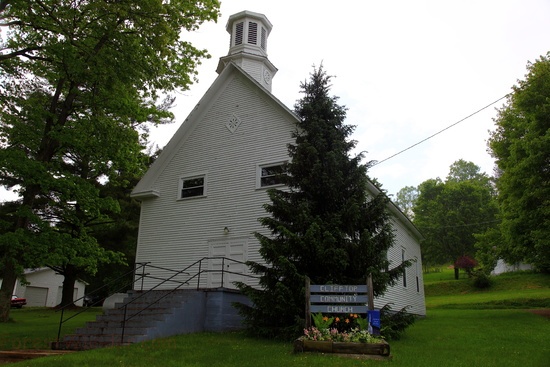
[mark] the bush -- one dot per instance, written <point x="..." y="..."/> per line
<point x="393" y="324"/>
<point x="481" y="280"/>
<point x="466" y="263"/>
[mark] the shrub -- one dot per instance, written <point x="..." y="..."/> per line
<point x="394" y="323"/>
<point x="481" y="279"/>
<point x="466" y="263"/>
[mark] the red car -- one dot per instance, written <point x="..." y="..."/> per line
<point x="18" y="302"/>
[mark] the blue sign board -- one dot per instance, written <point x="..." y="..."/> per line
<point x="374" y="321"/>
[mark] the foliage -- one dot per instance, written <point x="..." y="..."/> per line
<point x="394" y="323"/>
<point x="521" y="148"/>
<point x="321" y="321"/>
<point x="486" y="248"/>
<point x="351" y="336"/>
<point x="450" y="213"/>
<point x="466" y="263"/>
<point x="405" y="199"/>
<point x="323" y="224"/>
<point x="481" y="279"/>
<point x="80" y="84"/>
<point x="120" y="234"/>
<point x="339" y="323"/>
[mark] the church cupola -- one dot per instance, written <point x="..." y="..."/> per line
<point x="248" y="47"/>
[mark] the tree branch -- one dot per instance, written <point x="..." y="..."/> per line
<point x="22" y="52"/>
<point x="3" y="5"/>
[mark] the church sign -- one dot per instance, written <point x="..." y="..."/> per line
<point x="338" y="299"/>
<point x="332" y="298"/>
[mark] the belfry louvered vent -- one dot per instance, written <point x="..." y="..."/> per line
<point x="263" y="39"/>
<point x="239" y="28"/>
<point x="253" y="33"/>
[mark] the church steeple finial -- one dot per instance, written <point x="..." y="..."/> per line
<point x="248" y="47"/>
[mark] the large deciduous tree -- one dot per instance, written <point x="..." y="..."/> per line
<point x="405" y="200"/>
<point x="79" y="80"/>
<point x="323" y="224"/>
<point x="449" y="213"/>
<point x="521" y="148"/>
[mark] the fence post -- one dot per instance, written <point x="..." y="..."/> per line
<point x="308" y="312"/>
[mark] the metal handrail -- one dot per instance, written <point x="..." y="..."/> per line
<point x="139" y="278"/>
<point x="84" y="309"/>
<point x="181" y="284"/>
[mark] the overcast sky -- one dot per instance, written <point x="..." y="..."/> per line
<point x="405" y="70"/>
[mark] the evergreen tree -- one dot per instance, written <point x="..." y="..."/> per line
<point x="323" y="224"/>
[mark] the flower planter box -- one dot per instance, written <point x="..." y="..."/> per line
<point x="378" y="349"/>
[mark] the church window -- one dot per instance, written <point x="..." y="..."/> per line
<point x="270" y="174"/>
<point x="193" y="186"/>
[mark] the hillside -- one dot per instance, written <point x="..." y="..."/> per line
<point x="509" y="290"/>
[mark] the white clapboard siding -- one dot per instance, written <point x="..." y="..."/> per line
<point x="411" y="295"/>
<point x="175" y="233"/>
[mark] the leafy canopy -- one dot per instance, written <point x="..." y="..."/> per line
<point x="521" y="148"/>
<point x="81" y="81"/>
<point x="449" y="213"/>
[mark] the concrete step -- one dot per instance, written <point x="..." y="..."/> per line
<point x="144" y="321"/>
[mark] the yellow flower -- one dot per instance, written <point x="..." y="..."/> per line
<point x="325" y="318"/>
<point x="337" y="319"/>
<point x="347" y="321"/>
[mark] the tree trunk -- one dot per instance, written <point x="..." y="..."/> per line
<point x="9" y="278"/>
<point x="67" y="294"/>
<point x="456" y="273"/>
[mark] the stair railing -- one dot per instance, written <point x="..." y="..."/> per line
<point x="135" y="278"/>
<point x="184" y="271"/>
<point x="139" y="274"/>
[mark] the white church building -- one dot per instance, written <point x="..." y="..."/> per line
<point x="201" y="199"/>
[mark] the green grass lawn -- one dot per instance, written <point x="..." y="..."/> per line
<point x="456" y="332"/>
<point x="36" y="327"/>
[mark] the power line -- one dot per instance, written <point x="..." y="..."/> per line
<point x="440" y="131"/>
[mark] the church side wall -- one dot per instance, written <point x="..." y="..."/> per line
<point x="408" y="291"/>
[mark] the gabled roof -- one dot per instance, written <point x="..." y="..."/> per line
<point x="146" y="186"/>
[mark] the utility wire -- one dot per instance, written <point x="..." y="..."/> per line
<point x="440" y="131"/>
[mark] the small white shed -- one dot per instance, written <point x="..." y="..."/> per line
<point x="43" y="288"/>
